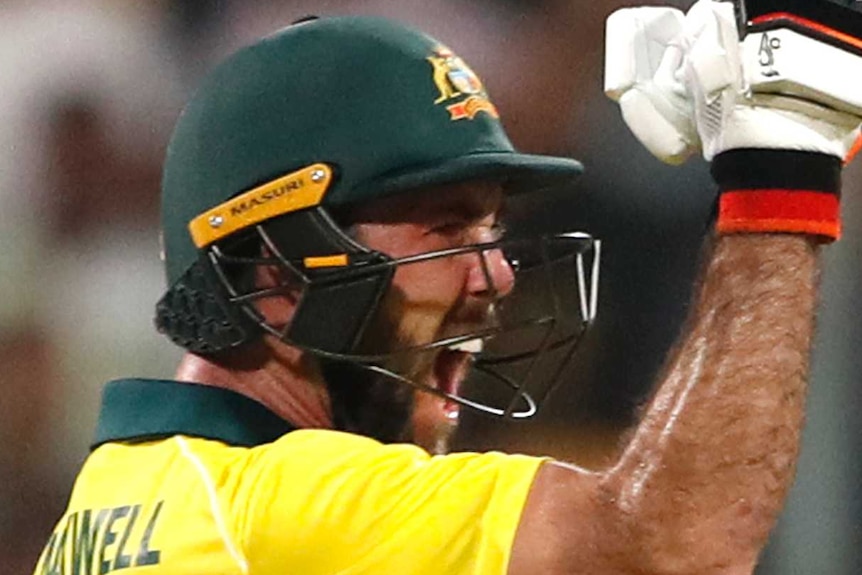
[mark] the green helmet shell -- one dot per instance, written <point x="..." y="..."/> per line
<point x="387" y="107"/>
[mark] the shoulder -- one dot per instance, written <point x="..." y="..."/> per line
<point x="390" y="507"/>
<point x="310" y="449"/>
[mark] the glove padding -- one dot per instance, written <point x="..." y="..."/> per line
<point x="681" y="85"/>
<point x="643" y="73"/>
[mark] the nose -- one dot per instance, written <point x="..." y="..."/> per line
<point x="490" y="276"/>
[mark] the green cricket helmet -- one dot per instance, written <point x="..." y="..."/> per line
<point x="320" y="116"/>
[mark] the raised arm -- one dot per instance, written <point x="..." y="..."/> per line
<point x="705" y="475"/>
<point x="714" y="456"/>
<point x="701" y="483"/>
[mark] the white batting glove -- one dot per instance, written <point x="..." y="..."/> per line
<point x="730" y="116"/>
<point x="644" y="58"/>
<point x="685" y="83"/>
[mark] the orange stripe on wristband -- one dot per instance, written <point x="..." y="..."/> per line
<point x="781" y="211"/>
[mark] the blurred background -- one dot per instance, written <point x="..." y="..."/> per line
<point x="90" y="90"/>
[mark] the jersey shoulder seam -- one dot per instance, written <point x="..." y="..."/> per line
<point x="216" y="510"/>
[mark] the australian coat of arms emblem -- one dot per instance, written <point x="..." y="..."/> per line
<point x="460" y="88"/>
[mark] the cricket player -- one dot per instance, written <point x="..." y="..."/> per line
<point x="339" y="275"/>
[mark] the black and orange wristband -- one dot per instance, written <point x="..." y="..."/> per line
<point x="781" y="191"/>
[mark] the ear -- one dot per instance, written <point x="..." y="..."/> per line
<point x="279" y="306"/>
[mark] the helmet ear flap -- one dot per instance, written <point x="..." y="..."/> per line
<point x="195" y="312"/>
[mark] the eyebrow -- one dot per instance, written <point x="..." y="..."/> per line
<point x="471" y="207"/>
<point x="474" y="207"/>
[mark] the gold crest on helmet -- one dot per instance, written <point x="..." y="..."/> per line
<point x="454" y="79"/>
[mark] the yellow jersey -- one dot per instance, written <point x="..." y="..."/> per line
<point x="191" y="479"/>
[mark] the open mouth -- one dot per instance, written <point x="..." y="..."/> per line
<point x="451" y="367"/>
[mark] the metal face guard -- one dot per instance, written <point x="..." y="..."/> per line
<point x="519" y="348"/>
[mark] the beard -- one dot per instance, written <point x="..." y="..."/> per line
<point x="368" y="403"/>
<point x="373" y="404"/>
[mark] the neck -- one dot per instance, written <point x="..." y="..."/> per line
<point x="278" y="376"/>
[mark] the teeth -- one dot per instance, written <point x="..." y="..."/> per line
<point x="469" y="346"/>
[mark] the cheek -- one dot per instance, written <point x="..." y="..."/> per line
<point x="428" y="291"/>
<point x="436" y="283"/>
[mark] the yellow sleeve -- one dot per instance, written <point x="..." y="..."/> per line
<point x="323" y="502"/>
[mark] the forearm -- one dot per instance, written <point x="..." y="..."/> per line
<point x="709" y="466"/>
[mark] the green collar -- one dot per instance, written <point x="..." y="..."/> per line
<point x="145" y="409"/>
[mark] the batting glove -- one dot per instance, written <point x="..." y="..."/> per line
<point x="685" y="83"/>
